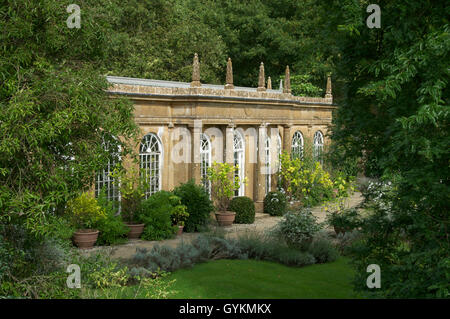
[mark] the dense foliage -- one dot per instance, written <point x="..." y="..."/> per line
<point x="394" y="114"/>
<point x="275" y="203"/>
<point x="244" y="208"/>
<point x="156" y="213"/>
<point x="344" y="220"/>
<point x="197" y="203"/>
<point x="112" y="228"/>
<point x="56" y="118"/>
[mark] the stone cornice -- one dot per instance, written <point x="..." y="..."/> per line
<point x="299" y="102"/>
<point x="154" y="89"/>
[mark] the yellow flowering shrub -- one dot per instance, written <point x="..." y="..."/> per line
<point x="85" y="212"/>
<point x="224" y="182"/>
<point x="306" y="181"/>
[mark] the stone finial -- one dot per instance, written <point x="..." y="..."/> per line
<point x="261" y="79"/>
<point x="281" y="85"/>
<point x="328" y="94"/>
<point x="229" y="78"/>
<point x="269" y="83"/>
<point x="196" y="72"/>
<point x="287" y="81"/>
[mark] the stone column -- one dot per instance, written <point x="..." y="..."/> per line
<point x="287" y="137"/>
<point x="168" y="168"/>
<point x="274" y="158"/>
<point x="260" y="169"/>
<point x="194" y="171"/>
<point x="229" y="140"/>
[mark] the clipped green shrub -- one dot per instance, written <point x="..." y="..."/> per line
<point x="275" y="203"/>
<point x="155" y="213"/>
<point x="244" y="208"/>
<point x="198" y="205"/>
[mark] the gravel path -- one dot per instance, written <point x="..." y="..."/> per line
<point x="263" y="222"/>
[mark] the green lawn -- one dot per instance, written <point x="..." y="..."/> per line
<point x="261" y="279"/>
<point x="257" y="279"/>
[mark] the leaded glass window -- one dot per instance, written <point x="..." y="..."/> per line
<point x="104" y="180"/>
<point x="297" y="145"/>
<point x="267" y="176"/>
<point x="150" y="156"/>
<point x="205" y="157"/>
<point x="239" y="160"/>
<point x="318" y="146"/>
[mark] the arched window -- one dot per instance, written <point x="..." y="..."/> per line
<point x="318" y="146"/>
<point x="267" y="176"/>
<point x="297" y="145"/>
<point x="205" y="157"/>
<point x="104" y="180"/>
<point x="150" y="156"/>
<point x="239" y="159"/>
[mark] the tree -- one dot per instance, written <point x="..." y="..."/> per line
<point x="394" y="113"/>
<point x="56" y="115"/>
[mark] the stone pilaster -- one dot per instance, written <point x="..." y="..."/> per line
<point x="168" y="173"/>
<point x="287" y="137"/>
<point x="194" y="170"/>
<point x="260" y="169"/>
<point x="229" y="147"/>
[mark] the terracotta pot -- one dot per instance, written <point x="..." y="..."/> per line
<point x="225" y="218"/>
<point x="180" y="230"/>
<point x="135" y="230"/>
<point x="85" y="238"/>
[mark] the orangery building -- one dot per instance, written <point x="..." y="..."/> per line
<point x="185" y="127"/>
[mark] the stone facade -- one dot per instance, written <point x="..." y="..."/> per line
<point x="178" y="113"/>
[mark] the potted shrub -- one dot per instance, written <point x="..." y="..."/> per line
<point x="223" y="185"/>
<point x="132" y="191"/>
<point x="178" y="214"/>
<point x="85" y="214"/>
<point x="343" y="220"/>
